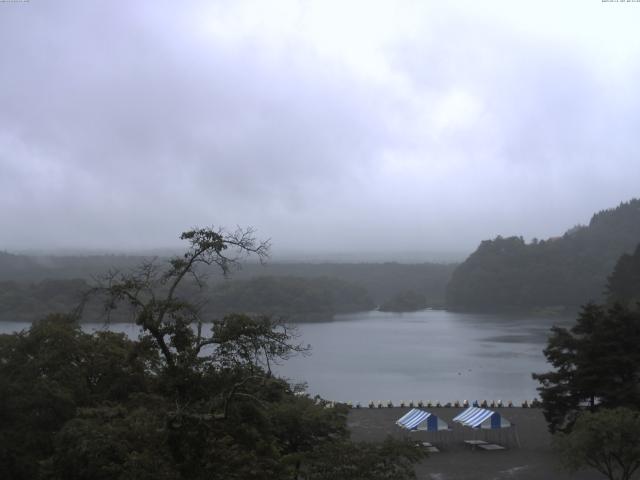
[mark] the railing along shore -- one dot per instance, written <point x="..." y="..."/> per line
<point x="535" y="403"/>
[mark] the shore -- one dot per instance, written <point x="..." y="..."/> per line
<point x="528" y="454"/>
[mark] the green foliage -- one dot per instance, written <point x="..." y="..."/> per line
<point x="48" y="373"/>
<point x="380" y="280"/>
<point x="179" y="402"/>
<point x="27" y="301"/>
<point x="565" y="271"/>
<point x="390" y="460"/>
<point x="624" y="283"/>
<point x="608" y="440"/>
<point x="286" y="295"/>
<point x="596" y="362"/>
<point x="92" y="406"/>
<point x="296" y="297"/>
<point x="112" y="442"/>
<point x="32" y="287"/>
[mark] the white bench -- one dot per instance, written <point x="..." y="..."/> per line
<point x="491" y="446"/>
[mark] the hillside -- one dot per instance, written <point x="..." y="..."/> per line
<point x="624" y="283"/>
<point x="382" y="281"/>
<point x="566" y="271"/>
<point x="298" y="297"/>
<point x="36" y="268"/>
<point x="32" y="286"/>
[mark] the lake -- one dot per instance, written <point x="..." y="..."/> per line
<point x="431" y="355"/>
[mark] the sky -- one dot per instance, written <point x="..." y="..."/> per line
<point x="367" y="129"/>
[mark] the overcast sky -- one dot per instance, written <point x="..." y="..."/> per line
<point x="329" y="126"/>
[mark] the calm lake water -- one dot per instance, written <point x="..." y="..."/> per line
<point x="428" y="355"/>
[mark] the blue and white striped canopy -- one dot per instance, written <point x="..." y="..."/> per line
<point x="417" y="419"/>
<point x="476" y="417"/>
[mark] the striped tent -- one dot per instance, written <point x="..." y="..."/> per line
<point x="417" y="419"/>
<point x="476" y="417"/>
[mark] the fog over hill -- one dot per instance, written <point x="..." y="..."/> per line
<point x="384" y="172"/>
<point x="566" y="271"/>
<point x="332" y="127"/>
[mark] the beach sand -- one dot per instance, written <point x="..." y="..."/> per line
<point x="534" y="458"/>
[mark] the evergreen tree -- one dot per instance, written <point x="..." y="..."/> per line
<point x="608" y="441"/>
<point x="178" y="403"/>
<point x="624" y="283"/>
<point x="565" y="271"/>
<point x="596" y="362"/>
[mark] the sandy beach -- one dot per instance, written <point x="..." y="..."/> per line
<point x="528" y="453"/>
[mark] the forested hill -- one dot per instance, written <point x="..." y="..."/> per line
<point x="31" y="287"/>
<point x="296" y="297"/>
<point x="382" y="281"/>
<point x="623" y="286"/>
<point x="566" y="271"/>
<point x="36" y="268"/>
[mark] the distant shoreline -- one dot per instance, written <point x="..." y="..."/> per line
<point x="318" y="317"/>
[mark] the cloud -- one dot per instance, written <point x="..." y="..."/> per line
<point x="328" y="126"/>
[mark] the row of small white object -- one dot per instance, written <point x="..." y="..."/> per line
<point x="429" y="404"/>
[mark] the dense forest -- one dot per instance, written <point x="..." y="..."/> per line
<point x="300" y="297"/>
<point x="563" y="272"/>
<point x="624" y="283"/>
<point x="21" y="301"/>
<point x="184" y="401"/>
<point x="381" y="280"/>
<point x="31" y="287"/>
<point x="567" y="271"/>
<point x="35" y="268"/>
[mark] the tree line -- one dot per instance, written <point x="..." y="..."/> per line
<point x="193" y="399"/>
<point x="30" y="287"/>
<point x="567" y="271"/>
<point x="187" y="400"/>
<point x="591" y="398"/>
<point x="296" y="298"/>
